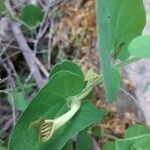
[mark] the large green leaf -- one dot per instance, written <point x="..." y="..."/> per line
<point x="67" y="65"/>
<point x="136" y="130"/>
<point x="50" y="103"/>
<point x="104" y="46"/>
<point x="118" y="22"/>
<point x="31" y="15"/>
<point x="140" y="47"/>
<point x="130" y="22"/>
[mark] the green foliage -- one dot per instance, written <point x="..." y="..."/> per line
<point x="130" y="21"/>
<point x="68" y="66"/>
<point x="115" y="84"/>
<point x="136" y="138"/>
<point x="139" y="47"/>
<point x="143" y="144"/>
<point x="19" y="99"/>
<point x="84" y="141"/>
<point x="68" y="146"/>
<point x="109" y="146"/>
<point x="118" y="22"/>
<point x="127" y="144"/>
<point x="2" y="7"/>
<point x="1" y="148"/>
<point x="49" y="103"/>
<point x="96" y="131"/>
<point x="31" y="16"/>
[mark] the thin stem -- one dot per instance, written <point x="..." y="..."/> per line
<point x="89" y="87"/>
<point x="127" y="62"/>
<point x="112" y="137"/>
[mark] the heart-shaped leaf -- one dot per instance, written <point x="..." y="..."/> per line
<point x="118" y="22"/>
<point x="31" y="15"/>
<point x="50" y="103"/>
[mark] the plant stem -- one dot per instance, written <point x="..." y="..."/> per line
<point x="112" y="137"/>
<point x="89" y="87"/>
<point x="127" y="62"/>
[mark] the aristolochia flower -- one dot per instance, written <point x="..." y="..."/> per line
<point x="46" y="128"/>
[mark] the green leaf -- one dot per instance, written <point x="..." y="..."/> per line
<point x="68" y="66"/>
<point x="2" y="7"/>
<point x="19" y="99"/>
<point x="84" y="141"/>
<point x="130" y="22"/>
<point x="143" y="144"/>
<point x="105" y="34"/>
<point x="120" y="22"/>
<point x="103" y="50"/>
<point x="115" y="83"/>
<point x="1" y="148"/>
<point x="50" y="102"/>
<point x="31" y="16"/>
<point x="139" y="47"/>
<point x="126" y="144"/>
<point x="68" y="146"/>
<point x="136" y="130"/>
<point x="109" y="146"/>
<point x="96" y="131"/>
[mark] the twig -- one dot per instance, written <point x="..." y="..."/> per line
<point x="128" y="94"/>
<point x="28" y="54"/>
<point x="3" y="80"/>
<point x="43" y="27"/>
<point x="42" y="68"/>
<point x="7" y="125"/>
<point x="11" y="84"/>
<point x="95" y="145"/>
<point x="44" y="24"/>
<point x="4" y="108"/>
<point x="26" y="51"/>
<point x="51" y="32"/>
<point x="12" y="10"/>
